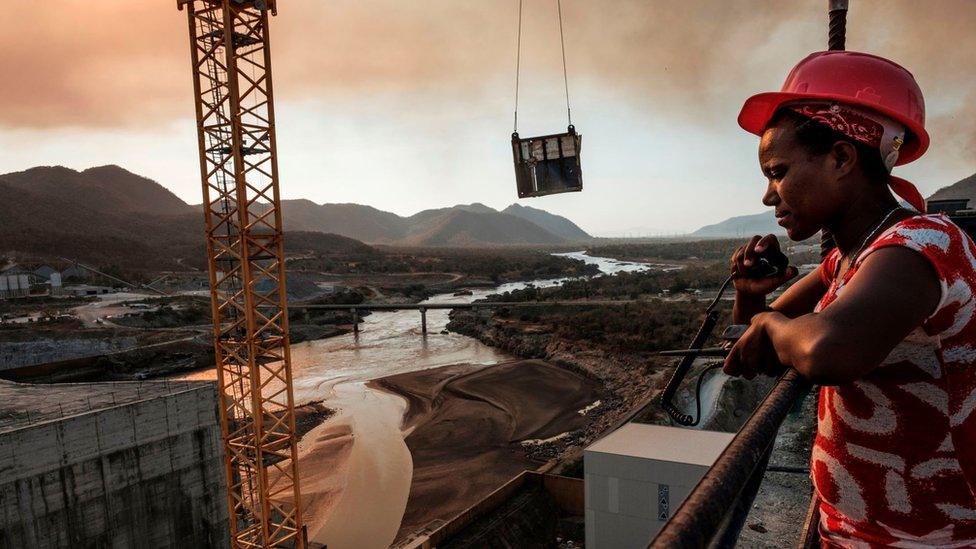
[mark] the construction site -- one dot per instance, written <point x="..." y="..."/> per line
<point x="298" y="387"/>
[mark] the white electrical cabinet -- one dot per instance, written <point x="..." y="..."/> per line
<point x="637" y="476"/>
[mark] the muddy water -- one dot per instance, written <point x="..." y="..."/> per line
<point x="378" y="471"/>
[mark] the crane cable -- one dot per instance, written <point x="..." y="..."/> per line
<point x="562" y="44"/>
<point x="518" y="61"/>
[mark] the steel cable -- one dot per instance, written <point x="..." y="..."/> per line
<point x="518" y="63"/>
<point x="562" y="45"/>
<point x="836" y="40"/>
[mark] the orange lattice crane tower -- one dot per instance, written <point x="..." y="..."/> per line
<point x="231" y="57"/>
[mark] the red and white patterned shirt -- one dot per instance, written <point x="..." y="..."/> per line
<point x="894" y="460"/>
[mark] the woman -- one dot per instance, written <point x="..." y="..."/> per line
<point x="885" y="324"/>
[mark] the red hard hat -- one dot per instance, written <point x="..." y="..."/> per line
<point x="854" y="78"/>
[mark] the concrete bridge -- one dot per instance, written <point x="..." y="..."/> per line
<point x="424" y="307"/>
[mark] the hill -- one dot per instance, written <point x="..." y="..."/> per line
<point x="765" y="222"/>
<point x="964" y="188"/>
<point x="105" y="188"/>
<point x="556" y="224"/>
<point x="464" y="227"/>
<point x="460" y="225"/>
<point x="353" y="220"/>
<point x="743" y="225"/>
<point x="109" y="216"/>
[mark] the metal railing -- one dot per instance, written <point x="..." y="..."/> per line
<point x="714" y="512"/>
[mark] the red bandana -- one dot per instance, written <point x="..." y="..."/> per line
<point x="869" y="128"/>
<point x="844" y="120"/>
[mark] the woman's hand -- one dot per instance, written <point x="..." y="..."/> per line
<point x="746" y="256"/>
<point x="753" y="353"/>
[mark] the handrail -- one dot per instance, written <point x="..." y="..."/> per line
<point x="731" y="481"/>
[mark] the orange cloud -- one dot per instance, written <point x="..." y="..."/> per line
<point x="126" y="64"/>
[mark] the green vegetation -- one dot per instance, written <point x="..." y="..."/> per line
<point x="703" y="250"/>
<point x="644" y="327"/>
<point x="495" y="264"/>
<point x="626" y="285"/>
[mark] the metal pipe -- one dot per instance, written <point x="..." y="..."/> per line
<point x="728" y="533"/>
<point x="701" y="515"/>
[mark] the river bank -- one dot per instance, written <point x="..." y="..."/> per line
<point x="472" y="428"/>
<point x="358" y="466"/>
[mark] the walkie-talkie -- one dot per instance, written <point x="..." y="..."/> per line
<point x="771" y="263"/>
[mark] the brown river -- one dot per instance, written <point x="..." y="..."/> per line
<point x="358" y="500"/>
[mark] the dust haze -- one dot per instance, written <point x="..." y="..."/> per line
<point x="121" y="68"/>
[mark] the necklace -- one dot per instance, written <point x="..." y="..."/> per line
<point x="871" y="234"/>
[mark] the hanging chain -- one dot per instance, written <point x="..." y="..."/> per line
<point x="518" y="63"/>
<point x="562" y="44"/>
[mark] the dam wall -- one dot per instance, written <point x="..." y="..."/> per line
<point x="111" y="465"/>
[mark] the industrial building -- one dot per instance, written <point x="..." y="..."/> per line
<point x="18" y="281"/>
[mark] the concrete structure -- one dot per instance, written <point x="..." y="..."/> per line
<point x="54" y="282"/>
<point x="86" y="289"/>
<point x="43" y="350"/>
<point x="638" y="475"/>
<point x="111" y="465"/>
<point x="527" y="511"/>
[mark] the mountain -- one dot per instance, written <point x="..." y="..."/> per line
<point x="765" y="222"/>
<point x="460" y="225"/>
<point x="743" y="225"/>
<point x="108" y="216"/>
<point x="107" y="188"/>
<point x="964" y="188"/>
<point x="464" y="227"/>
<point x="353" y="220"/>
<point x="108" y="213"/>
<point x="555" y="224"/>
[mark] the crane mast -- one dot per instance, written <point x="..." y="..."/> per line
<point x="231" y="63"/>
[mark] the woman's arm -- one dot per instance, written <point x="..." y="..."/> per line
<point x="894" y="291"/>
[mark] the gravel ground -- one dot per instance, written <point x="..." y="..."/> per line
<point x="780" y="507"/>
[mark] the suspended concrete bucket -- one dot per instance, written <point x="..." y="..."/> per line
<point x="549" y="164"/>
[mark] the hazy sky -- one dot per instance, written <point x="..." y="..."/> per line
<point x="408" y="105"/>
